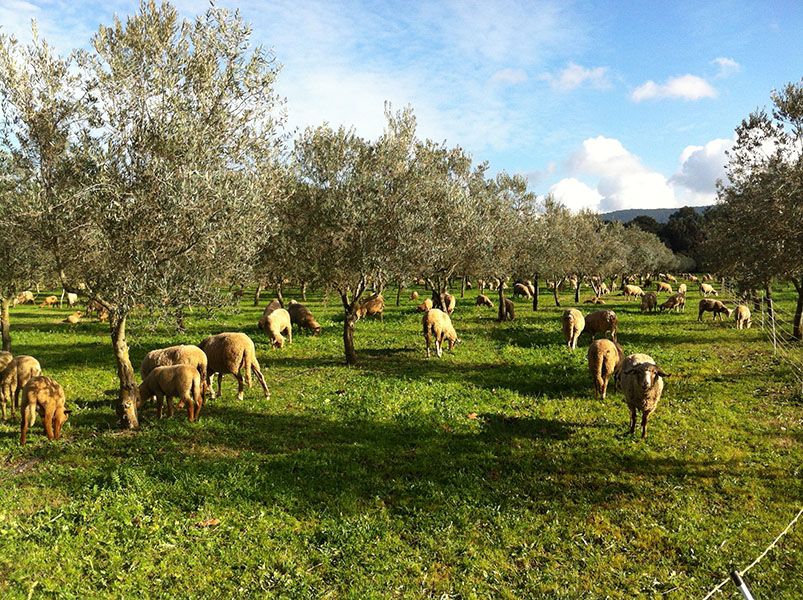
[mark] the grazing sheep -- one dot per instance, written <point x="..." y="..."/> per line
<point x="572" y="323"/>
<point x="277" y="326"/>
<point x="13" y="378"/>
<point x="73" y="318"/>
<point x="50" y="301"/>
<point x="414" y="296"/>
<point x="72" y="299"/>
<point x="714" y="306"/>
<point x="669" y="278"/>
<point x="692" y="278"/>
<point x="707" y="289"/>
<point x="23" y="298"/>
<point x="45" y="396"/>
<point x="483" y="300"/>
<point x="373" y="305"/>
<point x="174" y="381"/>
<point x="604" y="359"/>
<point x="682" y="288"/>
<point x="676" y="301"/>
<point x="229" y="353"/>
<point x="302" y="316"/>
<point x="708" y="277"/>
<point x="742" y="317"/>
<point x="520" y="289"/>
<point x="649" y="301"/>
<point x="632" y="291"/>
<point x="437" y="323"/>
<point x="510" y="310"/>
<point x="425" y="305"/>
<point x="603" y="289"/>
<point x="451" y="302"/>
<point x="274" y="304"/>
<point x="642" y="386"/>
<point x="594" y="300"/>
<point x="186" y="354"/>
<point x="663" y="287"/>
<point x="601" y="321"/>
<point x="5" y="359"/>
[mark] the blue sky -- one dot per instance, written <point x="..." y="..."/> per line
<point x="607" y="104"/>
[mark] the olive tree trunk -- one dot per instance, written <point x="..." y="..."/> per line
<point x="258" y="292"/>
<point x="555" y="292"/>
<point x="5" y="325"/>
<point x="535" y="292"/>
<point x="303" y="291"/>
<point x="577" y="292"/>
<point x="768" y="295"/>
<point x="279" y="294"/>
<point x="127" y="401"/>
<point x="462" y="287"/>
<point x="502" y="314"/>
<point x="797" y="325"/>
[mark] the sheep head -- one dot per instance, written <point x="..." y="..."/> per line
<point x="646" y="374"/>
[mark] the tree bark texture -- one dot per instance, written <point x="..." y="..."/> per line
<point x="5" y="325"/>
<point x="127" y="401"/>
<point x="279" y="294"/>
<point x="348" y="337"/>
<point x="258" y="292"/>
<point x="797" y="326"/>
<point x="535" y="292"/>
<point x="462" y="287"/>
<point x="303" y="291"/>
<point x="555" y="292"/>
<point x="768" y="296"/>
<point x="502" y="314"/>
<point x="577" y="292"/>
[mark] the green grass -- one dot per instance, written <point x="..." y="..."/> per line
<point x="375" y="482"/>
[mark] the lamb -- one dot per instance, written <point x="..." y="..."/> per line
<point x="634" y="291"/>
<point x="594" y="300"/>
<point x="50" y="301"/>
<point x="572" y="323"/>
<point x="229" y="353"/>
<point x="186" y="354"/>
<point x="425" y="305"/>
<point x="23" y="298"/>
<point x="663" y="287"/>
<point x="73" y="318"/>
<point x="649" y="301"/>
<point x="642" y="385"/>
<point x="13" y="378"/>
<point x="604" y="359"/>
<point x="302" y="316"/>
<point x="483" y="300"/>
<point x="707" y="289"/>
<point x="436" y="322"/>
<point x="742" y="317"/>
<point x="714" y="306"/>
<point x="274" y="304"/>
<point x="373" y="305"/>
<point x="682" y="288"/>
<point x="520" y="289"/>
<point x="414" y="296"/>
<point x="676" y="301"/>
<point x="45" y="396"/>
<point x="601" y="321"/>
<point x="279" y="323"/>
<point x="174" y="381"/>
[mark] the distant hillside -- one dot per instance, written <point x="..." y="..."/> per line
<point x="659" y="214"/>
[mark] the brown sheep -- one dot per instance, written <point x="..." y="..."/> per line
<point x="663" y="287"/>
<point x="185" y="354"/>
<point x="45" y="396"/>
<point x="13" y="378"/>
<point x="274" y="304"/>
<point x="23" y="298"/>
<point x="521" y="289"/>
<point x="649" y="301"/>
<point x="714" y="306"/>
<point x="676" y="301"/>
<point x="642" y="387"/>
<point x="707" y="289"/>
<point x="50" y="301"/>
<point x="302" y="316"/>
<point x="601" y="321"/>
<point x="373" y="305"/>
<point x="230" y="353"/>
<point x="425" y="305"/>
<point x="451" y="301"/>
<point x="742" y="317"/>
<point x="692" y="278"/>
<point x="594" y="300"/>
<point x="277" y="326"/>
<point x="437" y="323"/>
<point x="73" y="318"/>
<point x="604" y="360"/>
<point x="633" y="291"/>
<point x="483" y="300"/>
<point x="510" y="309"/>
<point x="174" y="381"/>
<point x="414" y="296"/>
<point x="572" y="323"/>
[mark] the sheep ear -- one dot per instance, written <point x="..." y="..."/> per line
<point x="659" y="371"/>
<point x="628" y="369"/>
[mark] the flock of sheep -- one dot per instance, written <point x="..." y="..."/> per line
<point x="184" y="372"/>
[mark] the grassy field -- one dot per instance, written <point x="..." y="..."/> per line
<point x="490" y="473"/>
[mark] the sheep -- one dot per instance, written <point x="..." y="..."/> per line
<point x="714" y="306"/>
<point x="13" y="378"/>
<point x="483" y="300"/>
<point x="707" y="289"/>
<point x="603" y="289"/>
<point x="373" y="305"/>
<point x="634" y="291"/>
<point x="572" y="323"/>
<point x="692" y="278"/>
<point x="5" y="359"/>
<point x="229" y="353"/>
<point x="520" y="289"/>
<point x="663" y="287"/>
<point x="649" y="301"/>
<point x="414" y="296"/>
<point x="425" y="305"/>
<point x="676" y="301"/>
<point x="682" y="288"/>
<point x="274" y="304"/>
<point x="302" y="316"/>
<point x="594" y="300"/>
<point x="45" y="396"/>
<point x="708" y="277"/>
<point x="451" y="301"/>
<point x="279" y="323"/>
<point x="73" y="318"/>
<point x="510" y="309"/>
<point x="742" y="317"/>
<point x="669" y="278"/>
<point x="185" y="354"/>
<point x="50" y="301"/>
<point x="23" y="298"/>
<point x="601" y="321"/>
<point x="72" y="299"/>
<point x="174" y="381"/>
<point x="436" y="322"/>
<point x="604" y="359"/>
<point x="101" y="312"/>
<point x="642" y="385"/>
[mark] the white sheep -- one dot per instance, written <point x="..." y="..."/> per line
<point x="707" y="289"/>
<point x="742" y="317"/>
<point x="231" y="352"/>
<point x="437" y="323"/>
<point x="642" y="385"/>
<point x="572" y="323"/>
<point x="604" y="360"/>
<point x="277" y="325"/>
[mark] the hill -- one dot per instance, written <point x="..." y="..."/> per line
<point x="659" y="214"/>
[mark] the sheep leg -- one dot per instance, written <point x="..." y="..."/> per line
<point x="260" y="377"/>
<point x="24" y="430"/>
<point x="16" y="404"/>
<point x="170" y="406"/>
<point x="159" y="401"/>
<point x="632" y="420"/>
<point x="240" y="386"/>
<point x="58" y="422"/>
<point x="644" y="416"/>
<point x="190" y="405"/>
<point x="427" y="338"/>
<point x="219" y="379"/>
<point x="48" y="419"/>
<point x="604" y="386"/>
<point x="290" y="334"/>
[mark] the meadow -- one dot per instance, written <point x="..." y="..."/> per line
<point x="493" y="472"/>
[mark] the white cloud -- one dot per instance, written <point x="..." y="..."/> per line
<point x="509" y="76"/>
<point x="686" y="87"/>
<point x="727" y="66"/>
<point x="575" y="195"/>
<point x="700" y="167"/>
<point x="574" y="75"/>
